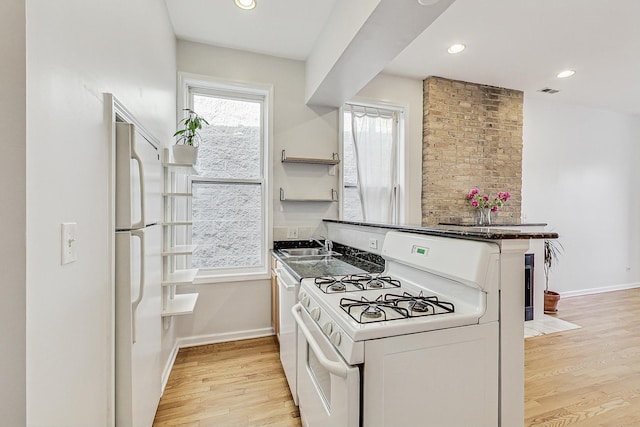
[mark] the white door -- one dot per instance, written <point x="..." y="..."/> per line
<point x="138" y="179"/>
<point x="138" y="326"/>
<point x="328" y="388"/>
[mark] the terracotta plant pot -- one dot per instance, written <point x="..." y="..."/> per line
<point x="551" y="302"/>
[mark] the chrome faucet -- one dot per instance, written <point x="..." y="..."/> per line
<point x="327" y="245"/>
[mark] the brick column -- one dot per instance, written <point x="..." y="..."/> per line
<point x="472" y="138"/>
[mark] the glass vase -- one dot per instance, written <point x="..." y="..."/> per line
<point x="483" y="216"/>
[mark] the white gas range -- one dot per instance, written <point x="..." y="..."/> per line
<point x="416" y="345"/>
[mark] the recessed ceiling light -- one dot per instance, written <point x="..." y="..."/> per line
<point x="565" y="74"/>
<point x="246" y="4"/>
<point x="456" y="48"/>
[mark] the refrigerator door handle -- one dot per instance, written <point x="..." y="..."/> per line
<point x="134" y="305"/>
<point x="138" y="160"/>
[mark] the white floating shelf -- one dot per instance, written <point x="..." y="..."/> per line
<point x="332" y="161"/>
<point x="180" y="250"/>
<point x="184" y="167"/>
<point x="180" y="277"/>
<point x="172" y="223"/>
<point x="333" y="198"/>
<point x="180" y="304"/>
<point x="177" y="194"/>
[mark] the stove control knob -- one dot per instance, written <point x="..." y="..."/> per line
<point x="315" y="313"/>
<point x="336" y="338"/>
<point x="328" y="328"/>
<point x="304" y="299"/>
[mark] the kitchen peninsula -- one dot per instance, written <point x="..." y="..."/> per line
<point x="492" y="232"/>
<point x="511" y="247"/>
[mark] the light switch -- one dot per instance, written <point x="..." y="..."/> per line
<point x="68" y="244"/>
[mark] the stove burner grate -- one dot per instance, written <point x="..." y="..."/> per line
<point x="378" y="310"/>
<point x="420" y="305"/>
<point x="354" y="283"/>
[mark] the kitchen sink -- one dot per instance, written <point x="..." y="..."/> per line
<point x="314" y="266"/>
<point x="307" y="252"/>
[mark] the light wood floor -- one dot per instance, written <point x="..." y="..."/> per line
<point x="239" y="383"/>
<point x="588" y="377"/>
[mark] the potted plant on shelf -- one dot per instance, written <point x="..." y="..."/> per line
<point x="186" y="148"/>
<point x="552" y="250"/>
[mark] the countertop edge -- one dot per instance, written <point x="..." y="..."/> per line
<point x="459" y="232"/>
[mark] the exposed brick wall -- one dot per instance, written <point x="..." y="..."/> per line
<point x="472" y="138"/>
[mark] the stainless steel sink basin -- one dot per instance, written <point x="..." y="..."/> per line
<point x="307" y="252"/>
<point x="313" y="266"/>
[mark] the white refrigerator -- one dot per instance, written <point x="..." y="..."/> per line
<point x="138" y="268"/>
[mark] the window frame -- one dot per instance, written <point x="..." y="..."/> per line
<point x="401" y="112"/>
<point x="190" y="83"/>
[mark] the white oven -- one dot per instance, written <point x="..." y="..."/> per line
<point x="416" y="345"/>
<point x="328" y="388"/>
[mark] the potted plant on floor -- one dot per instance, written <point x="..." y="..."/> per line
<point x="186" y="148"/>
<point x="552" y="250"/>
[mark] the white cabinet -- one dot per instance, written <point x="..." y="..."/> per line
<point x="176" y="232"/>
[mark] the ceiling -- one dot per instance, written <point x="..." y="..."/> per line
<point x="517" y="44"/>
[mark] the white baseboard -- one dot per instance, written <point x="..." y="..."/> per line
<point x="169" y="366"/>
<point x="224" y="337"/>
<point x="209" y="339"/>
<point x="612" y="288"/>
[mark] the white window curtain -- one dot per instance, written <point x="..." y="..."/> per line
<point x="374" y="140"/>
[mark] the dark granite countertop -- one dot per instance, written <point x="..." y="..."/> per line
<point x="351" y="261"/>
<point x="515" y="224"/>
<point x="460" y="231"/>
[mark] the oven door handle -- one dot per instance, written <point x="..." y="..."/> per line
<point x="335" y="368"/>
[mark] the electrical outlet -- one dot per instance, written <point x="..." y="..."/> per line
<point x="292" y="232"/>
<point x="373" y="243"/>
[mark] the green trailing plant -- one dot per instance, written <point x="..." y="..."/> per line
<point x="552" y="250"/>
<point x="191" y="124"/>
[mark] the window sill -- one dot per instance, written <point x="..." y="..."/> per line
<point x="207" y="278"/>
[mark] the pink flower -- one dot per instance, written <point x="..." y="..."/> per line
<point x="484" y="201"/>
<point x="504" y="196"/>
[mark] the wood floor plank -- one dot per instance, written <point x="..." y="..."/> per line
<point x="587" y="377"/>
<point x="239" y="383"/>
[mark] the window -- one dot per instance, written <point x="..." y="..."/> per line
<point x="230" y="193"/>
<point x="370" y="163"/>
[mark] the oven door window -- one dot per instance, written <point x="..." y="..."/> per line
<point x="321" y="377"/>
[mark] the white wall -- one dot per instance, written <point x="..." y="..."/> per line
<point x="302" y="131"/>
<point x="76" y="51"/>
<point x="12" y="214"/>
<point x="580" y="175"/>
